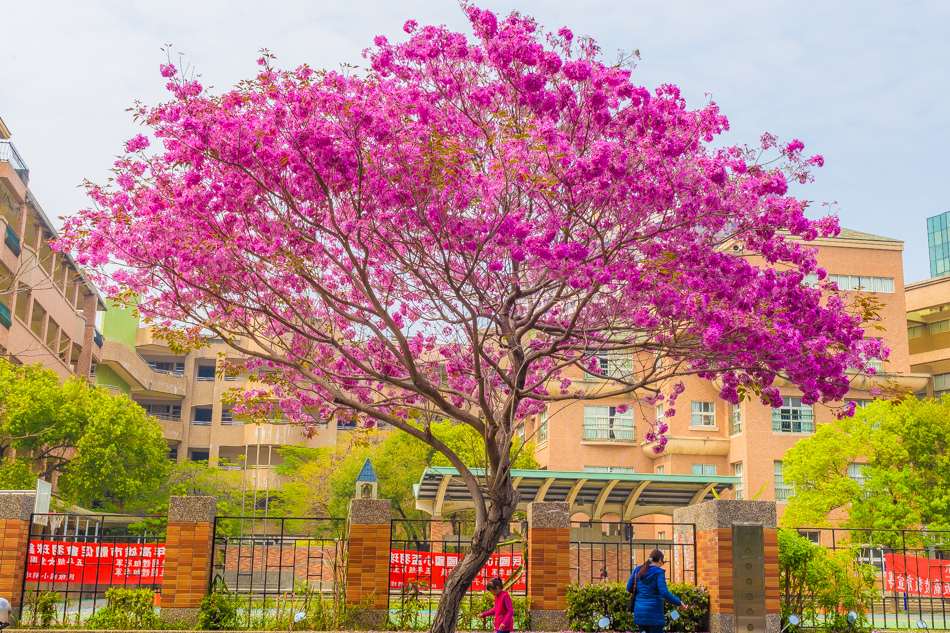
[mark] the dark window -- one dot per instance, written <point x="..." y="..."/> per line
<point x="173" y="454"/>
<point x="205" y="372"/>
<point x="199" y="456"/>
<point x="202" y="415"/>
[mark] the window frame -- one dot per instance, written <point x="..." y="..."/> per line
<point x="704" y="414"/>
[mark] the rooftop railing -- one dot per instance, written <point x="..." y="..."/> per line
<point x="8" y="154"/>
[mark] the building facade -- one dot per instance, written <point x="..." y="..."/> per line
<point x="47" y="306"/>
<point x="938" y="244"/>
<point x="188" y="394"/>
<point x="709" y="436"/>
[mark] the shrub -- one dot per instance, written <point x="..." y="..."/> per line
<point x="469" y="620"/>
<point x="821" y="586"/>
<point x="42" y="608"/>
<point x="586" y="604"/>
<point x="126" y="609"/>
<point x="219" y="609"/>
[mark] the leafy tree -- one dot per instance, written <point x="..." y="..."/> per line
<point x="103" y="448"/>
<point x="901" y="449"/>
<point x="455" y="232"/>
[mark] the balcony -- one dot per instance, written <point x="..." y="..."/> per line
<point x="8" y="154"/>
<point x="5" y="319"/>
<point x="97" y="337"/>
<point x="137" y="373"/>
<point x="12" y="241"/>
<point x="617" y="430"/>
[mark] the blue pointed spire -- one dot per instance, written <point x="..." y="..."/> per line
<point x="367" y="473"/>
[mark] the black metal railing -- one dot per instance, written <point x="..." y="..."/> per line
<point x="912" y="569"/>
<point x="72" y="560"/>
<point x="9" y="154"/>
<point x="424" y="552"/>
<point x="609" y="551"/>
<point x="274" y="562"/>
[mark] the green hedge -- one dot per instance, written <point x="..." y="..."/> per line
<point x="586" y="604"/>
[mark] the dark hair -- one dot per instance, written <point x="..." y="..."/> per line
<point x="495" y="583"/>
<point x="655" y="557"/>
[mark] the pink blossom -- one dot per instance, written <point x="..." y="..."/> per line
<point x="136" y="143"/>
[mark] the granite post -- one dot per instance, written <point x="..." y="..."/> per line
<point x="549" y="573"/>
<point x="189" y="546"/>
<point x="16" y="511"/>
<point x="737" y="560"/>
<point x="367" y="563"/>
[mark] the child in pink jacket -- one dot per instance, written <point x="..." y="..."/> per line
<point x="503" y="610"/>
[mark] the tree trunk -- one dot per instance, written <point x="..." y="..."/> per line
<point x="483" y="544"/>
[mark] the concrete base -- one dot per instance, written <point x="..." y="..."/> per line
<point x="548" y="620"/>
<point x="368" y="619"/>
<point x="773" y="622"/>
<point x="722" y="623"/>
<point x="180" y="617"/>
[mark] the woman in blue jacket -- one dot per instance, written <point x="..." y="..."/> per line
<point x="650" y="582"/>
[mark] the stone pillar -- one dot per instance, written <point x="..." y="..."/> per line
<point x="16" y="511"/>
<point x="549" y="573"/>
<point x="189" y="546"/>
<point x="367" y="564"/>
<point x="737" y="560"/>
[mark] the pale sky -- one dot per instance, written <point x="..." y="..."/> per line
<point x="866" y="84"/>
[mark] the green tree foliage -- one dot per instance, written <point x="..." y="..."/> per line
<point x="322" y="481"/>
<point x="104" y="448"/>
<point x="902" y="450"/>
<point x="821" y="586"/>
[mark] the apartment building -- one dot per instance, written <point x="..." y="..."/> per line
<point x="711" y="437"/>
<point x="47" y="306"/>
<point x="187" y="395"/>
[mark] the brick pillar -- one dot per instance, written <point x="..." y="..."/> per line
<point x="16" y="511"/>
<point x="189" y="545"/>
<point x="736" y="560"/>
<point x="367" y="563"/>
<point x="549" y="573"/>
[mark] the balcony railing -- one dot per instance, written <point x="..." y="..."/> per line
<point x="618" y="432"/>
<point x="5" y="319"/>
<point x="166" y="416"/>
<point x="201" y="422"/>
<point x="12" y="241"/>
<point x="8" y="154"/>
<point x="97" y="337"/>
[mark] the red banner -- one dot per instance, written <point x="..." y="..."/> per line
<point x="918" y="576"/>
<point x="102" y="563"/>
<point x="430" y="569"/>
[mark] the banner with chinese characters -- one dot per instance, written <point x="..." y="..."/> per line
<point x="102" y="563"/>
<point x="430" y="569"/>
<point x="918" y="576"/>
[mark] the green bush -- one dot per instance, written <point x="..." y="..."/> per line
<point x="821" y="586"/>
<point x="219" y="609"/>
<point x="126" y="609"/>
<point x="586" y="604"/>
<point x="42" y="608"/>
<point x="469" y="620"/>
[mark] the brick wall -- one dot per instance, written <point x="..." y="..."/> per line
<point x="14" y="538"/>
<point x="548" y="567"/>
<point x="187" y="564"/>
<point x="772" y="595"/>
<point x="367" y="580"/>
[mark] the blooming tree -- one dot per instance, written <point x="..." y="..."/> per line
<point x="455" y="231"/>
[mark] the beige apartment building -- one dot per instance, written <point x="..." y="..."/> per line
<point x="711" y="437"/>
<point x="188" y="396"/>
<point x="928" y="331"/>
<point x="47" y="306"/>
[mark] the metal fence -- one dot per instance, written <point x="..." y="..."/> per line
<point x="608" y="551"/>
<point x="912" y="572"/>
<point x="271" y="560"/>
<point x="73" y="559"/>
<point x="424" y="552"/>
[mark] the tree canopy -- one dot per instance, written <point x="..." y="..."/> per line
<point x="453" y="231"/>
<point x="888" y="467"/>
<point x="102" y="447"/>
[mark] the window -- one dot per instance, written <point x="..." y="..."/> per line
<point x="227" y="417"/>
<point x="202" y="416"/>
<point x="783" y="492"/>
<point x="613" y="364"/>
<point x="176" y="411"/>
<point x="661" y="535"/>
<point x="205" y="372"/>
<point x="659" y="412"/>
<point x="793" y="417"/>
<point x="876" y="364"/>
<point x="856" y="473"/>
<point x="941" y="382"/>
<point x="915" y="331"/>
<point x="811" y="280"/>
<point x="940" y="326"/>
<point x="173" y="454"/>
<point x="200" y="456"/>
<point x="92" y="371"/>
<point x="739" y="491"/>
<point x="543" y="427"/>
<point x="705" y="470"/>
<point x="660" y="470"/>
<point x="736" y="420"/>
<point x="605" y="424"/>
<point x="703" y="413"/>
<point x="861" y="403"/>
<point x="813" y="536"/>
<point x="520" y="432"/>
<point x="609" y="469"/>
<point x="866" y="284"/>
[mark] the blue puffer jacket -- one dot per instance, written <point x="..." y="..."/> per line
<point x="651" y="591"/>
